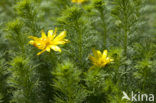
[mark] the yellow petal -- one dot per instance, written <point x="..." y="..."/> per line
<point x="78" y="1"/>
<point x="66" y="40"/>
<point x="74" y="1"/>
<point x="104" y="54"/>
<point x="31" y="42"/>
<point x="55" y="31"/>
<point x="93" y="59"/>
<point x="34" y="43"/>
<point x="103" y="65"/>
<point x="41" y="52"/>
<point x="111" y="60"/>
<point x="48" y="49"/>
<point x="43" y="34"/>
<point x="99" y="54"/>
<point x="33" y="37"/>
<point x="107" y="60"/>
<point x="60" y="36"/>
<point x="56" y="48"/>
<point x="50" y="33"/>
<point x="60" y="42"/>
<point x="94" y="52"/>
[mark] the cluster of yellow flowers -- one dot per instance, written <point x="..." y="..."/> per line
<point x="45" y="43"/>
<point x="51" y="41"/>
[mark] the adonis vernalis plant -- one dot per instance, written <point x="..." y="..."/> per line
<point x="45" y="43"/>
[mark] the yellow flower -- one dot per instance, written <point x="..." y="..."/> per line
<point x="45" y="43"/>
<point x="100" y="59"/>
<point x="78" y="1"/>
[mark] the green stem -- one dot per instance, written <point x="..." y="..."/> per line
<point x="125" y="42"/>
<point x="80" y="47"/>
<point x="20" y="41"/>
<point x="105" y="37"/>
<point x="104" y="27"/>
<point x="145" y="72"/>
<point x="125" y="27"/>
<point x="79" y="32"/>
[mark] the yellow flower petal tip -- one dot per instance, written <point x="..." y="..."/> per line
<point x="50" y="41"/>
<point x="78" y="1"/>
<point x="31" y="42"/>
<point x="111" y="60"/>
<point x="100" y="59"/>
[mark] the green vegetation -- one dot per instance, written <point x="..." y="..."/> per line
<point x="80" y="72"/>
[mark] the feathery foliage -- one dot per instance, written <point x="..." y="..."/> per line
<point x="125" y="29"/>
